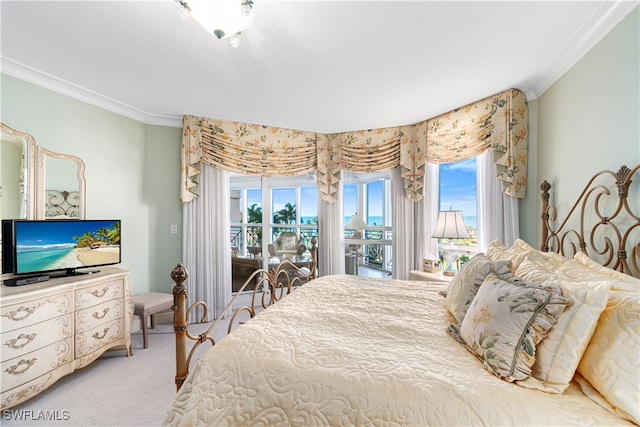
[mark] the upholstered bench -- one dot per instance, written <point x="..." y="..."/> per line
<point x="147" y="305"/>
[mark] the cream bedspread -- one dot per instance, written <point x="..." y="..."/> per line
<point x="345" y="350"/>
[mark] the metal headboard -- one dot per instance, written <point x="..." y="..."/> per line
<point x="604" y="222"/>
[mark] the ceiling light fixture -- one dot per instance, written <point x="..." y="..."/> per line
<point x="222" y="18"/>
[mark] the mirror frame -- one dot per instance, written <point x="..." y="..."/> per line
<point x="41" y="179"/>
<point x="30" y="160"/>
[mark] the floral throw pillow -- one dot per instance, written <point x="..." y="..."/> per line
<point x="506" y="321"/>
<point x="463" y="287"/>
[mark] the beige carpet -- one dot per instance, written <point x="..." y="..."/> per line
<point x="115" y="390"/>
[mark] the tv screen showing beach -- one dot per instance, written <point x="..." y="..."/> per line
<point x="65" y="245"/>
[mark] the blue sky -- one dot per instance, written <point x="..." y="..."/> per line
<point x="349" y="194"/>
<point x="458" y="187"/>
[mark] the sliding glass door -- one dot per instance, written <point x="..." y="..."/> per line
<point x="272" y="219"/>
<point x="367" y="224"/>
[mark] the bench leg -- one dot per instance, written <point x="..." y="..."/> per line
<point x="145" y="332"/>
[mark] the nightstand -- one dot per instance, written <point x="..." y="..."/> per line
<point x="429" y="277"/>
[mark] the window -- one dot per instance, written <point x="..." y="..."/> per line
<point x="309" y="205"/>
<point x="262" y="209"/>
<point x="458" y="191"/>
<point x="368" y="195"/>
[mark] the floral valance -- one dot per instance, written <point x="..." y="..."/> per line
<point x="498" y="123"/>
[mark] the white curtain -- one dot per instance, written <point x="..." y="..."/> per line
<point x="406" y="229"/>
<point x="413" y="224"/>
<point x="497" y="212"/>
<point x="431" y="207"/>
<point x="206" y="251"/>
<point x="331" y="236"/>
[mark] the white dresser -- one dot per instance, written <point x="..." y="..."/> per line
<point x="49" y="329"/>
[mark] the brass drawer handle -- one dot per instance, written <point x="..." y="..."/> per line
<point x="13" y="370"/>
<point x="16" y="316"/>
<point x="99" y="294"/>
<point x="97" y="315"/>
<point x="97" y="335"/>
<point x="13" y="343"/>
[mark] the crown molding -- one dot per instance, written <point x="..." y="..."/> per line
<point x="593" y="31"/>
<point x="63" y="87"/>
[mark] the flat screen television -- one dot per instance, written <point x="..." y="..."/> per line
<point x="64" y="246"/>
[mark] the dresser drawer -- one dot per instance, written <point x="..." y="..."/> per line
<point x="100" y="293"/>
<point x="98" y="337"/>
<point x="29" y="389"/>
<point x="28" y="313"/>
<point x="28" y="366"/>
<point x="94" y="316"/>
<point x="25" y="340"/>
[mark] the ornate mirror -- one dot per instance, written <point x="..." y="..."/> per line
<point x="17" y="180"/>
<point x="61" y="186"/>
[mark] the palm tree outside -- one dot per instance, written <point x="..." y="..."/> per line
<point x="286" y="215"/>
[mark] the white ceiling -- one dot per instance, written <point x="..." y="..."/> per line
<point x="325" y="66"/>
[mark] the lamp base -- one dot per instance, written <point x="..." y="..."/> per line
<point x="451" y="256"/>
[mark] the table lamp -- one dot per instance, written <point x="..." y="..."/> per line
<point x="450" y="226"/>
<point x="356" y="224"/>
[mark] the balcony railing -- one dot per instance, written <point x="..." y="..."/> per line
<point x="376" y="245"/>
<point x="246" y="236"/>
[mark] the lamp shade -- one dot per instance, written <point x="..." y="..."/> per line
<point x="356" y="223"/>
<point x="450" y="226"/>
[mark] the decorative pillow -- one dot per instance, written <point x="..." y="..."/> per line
<point x="552" y="258"/>
<point x="288" y="243"/>
<point x="465" y="284"/>
<point x="496" y="251"/>
<point x="534" y="271"/>
<point x="507" y="320"/>
<point x="611" y="362"/>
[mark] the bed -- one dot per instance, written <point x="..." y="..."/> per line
<point x="520" y="336"/>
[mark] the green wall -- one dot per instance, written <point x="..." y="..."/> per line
<point x="587" y="121"/>
<point x="132" y="172"/>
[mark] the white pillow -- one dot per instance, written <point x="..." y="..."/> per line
<point x="464" y="285"/>
<point x="496" y="251"/>
<point x="558" y="355"/>
<point x="619" y="281"/>
<point x="288" y="243"/>
<point x="611" y="362"/>
<point x="590" y="264"/>
<point x="552" y="258"/>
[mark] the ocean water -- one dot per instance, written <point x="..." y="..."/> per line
<point x="469" y="221"/>
<point x="46" y="259"/>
